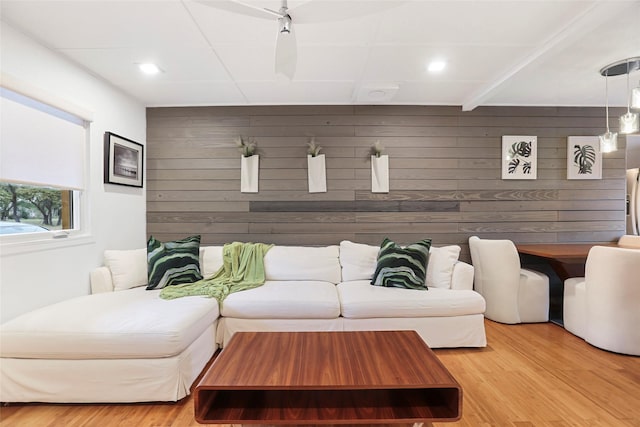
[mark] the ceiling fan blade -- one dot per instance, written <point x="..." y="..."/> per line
<point x="241" y="8"/>
<point x="286" y="54"/>
<point x="317" y="11"/>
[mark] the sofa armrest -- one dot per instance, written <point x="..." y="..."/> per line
<point x="462" y="277"/>
<point x="101" y="280"/>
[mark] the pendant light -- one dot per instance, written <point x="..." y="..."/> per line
<point x="630" y="122"/>
<point x="635" y="98"/>
<point x="608" y="140"/>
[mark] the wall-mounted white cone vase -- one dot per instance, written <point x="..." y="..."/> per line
<point x="317" y="174"/>
<point x="249" y="171"/>
<point x="380" y="174"/>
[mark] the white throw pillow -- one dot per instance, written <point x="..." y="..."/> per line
<point x="128" y="267"/>
<point x="210" y="260"/>
<point x="302" y="263"/>
<point x="440" y="266"/>
<point x="358" y="260"/>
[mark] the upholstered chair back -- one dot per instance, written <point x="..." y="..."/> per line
<point x="612" y="285"/>
<point x="512" y="294"/>
<point x="497" y="272"/>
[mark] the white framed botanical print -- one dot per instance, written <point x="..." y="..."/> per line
<point x="519" y="157"/>
<point x="584" y="158"/>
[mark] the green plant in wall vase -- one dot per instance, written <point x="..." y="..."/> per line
<point x="316" y="168"/>
<point x="249" y="164"/>
<point x="377" y="148"/>
<point x="379" y="169"/>
<point x="313" y="149"/>
<point x="246" y="146"/>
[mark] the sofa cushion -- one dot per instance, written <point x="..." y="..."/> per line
<point x="440" y="267"/>
<point x="305" y="299"/>
<point x="402" y="267"/>
<point x="134" y="323"/>
<point x="360" y="300"/>
<point x="210" y="260"/>
<point x="358" y="260"/>
<point x="303" y="263"/>
<point x="173" y="263"/>
<point x="128" y="268"/>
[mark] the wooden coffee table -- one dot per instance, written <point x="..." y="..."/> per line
<point x="363" y="377"/>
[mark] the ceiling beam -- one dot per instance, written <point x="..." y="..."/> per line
<point x="592" y="17"/>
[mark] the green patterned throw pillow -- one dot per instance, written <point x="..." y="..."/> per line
<point x="173" y="263"/>
<point x="402" y="267"/>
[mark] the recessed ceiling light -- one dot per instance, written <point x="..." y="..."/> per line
<point x="377" y="92"/>
<point x="436" y="66"/>
<point x="149" y="68"/>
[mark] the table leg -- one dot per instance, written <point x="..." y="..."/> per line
<point x="566" y="270"/>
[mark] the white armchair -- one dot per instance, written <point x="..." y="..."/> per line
<point x="512" y="294"/>
<point x="603" y="307"/>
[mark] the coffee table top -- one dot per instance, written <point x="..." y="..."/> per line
<point x="327" y="360"/>
<point x="361" y="377"/>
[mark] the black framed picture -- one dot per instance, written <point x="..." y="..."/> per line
<point x="123" y="161"/>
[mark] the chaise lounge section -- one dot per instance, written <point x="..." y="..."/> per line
<point x="125" y="346"/>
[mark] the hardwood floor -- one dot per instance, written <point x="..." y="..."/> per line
<point x="528" y="375"/>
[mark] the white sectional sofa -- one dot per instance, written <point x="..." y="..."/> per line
<point x="125" y="344"/>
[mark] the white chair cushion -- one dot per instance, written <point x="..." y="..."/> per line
<point x="533" y="296"/>
<point x="574" y="310"/>
<point x="128" y="268"/>
<point x="284" y="300"/>
<point x="440" y="266"/>
<point x="360" y="300"/>
<point x="303" y="263"/>
<point x="135" y="323"/>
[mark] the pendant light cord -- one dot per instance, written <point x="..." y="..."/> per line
<point x="606" y="96"/>
<point x="628" y="91"/>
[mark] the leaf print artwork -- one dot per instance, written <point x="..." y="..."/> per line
<point x="513" y="165"/>
<point x="518" y="150"/>
<point x="521" y="149"/>
<point x="519" y="157"/>
<point x="584" y="157"/>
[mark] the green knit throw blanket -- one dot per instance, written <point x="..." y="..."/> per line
<point x="242" y="269"/>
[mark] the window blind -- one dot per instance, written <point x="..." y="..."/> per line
<point x="39" y="144"/>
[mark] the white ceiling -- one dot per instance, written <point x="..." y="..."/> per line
<point x="498" y="52"/>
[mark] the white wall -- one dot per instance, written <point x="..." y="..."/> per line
<point x="117" y="214"/>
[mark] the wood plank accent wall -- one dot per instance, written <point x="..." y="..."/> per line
<point x="445" y="176"/>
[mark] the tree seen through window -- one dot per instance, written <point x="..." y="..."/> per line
<point x="41" y="206"/>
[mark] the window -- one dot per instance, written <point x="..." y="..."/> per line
<point x="42" y="169"/>
<point x="33" y="209"/>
